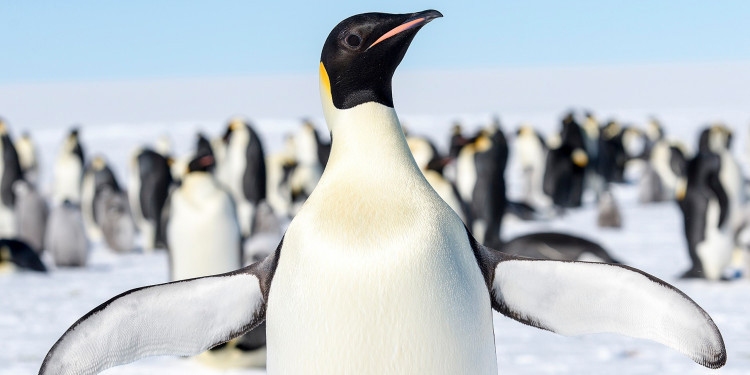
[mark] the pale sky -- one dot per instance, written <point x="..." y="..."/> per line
<point x="77" y="40"/>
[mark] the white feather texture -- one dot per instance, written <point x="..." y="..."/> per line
<point x="376" y="274"/>
<point x="181" y="318"/>
<point x="575" y="298"/>
<point x="203" y="233"/>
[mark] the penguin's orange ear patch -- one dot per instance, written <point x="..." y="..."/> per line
<point x="325" y="82"/>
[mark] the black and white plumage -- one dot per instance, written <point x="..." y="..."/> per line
<point x="112" y="212"/>
<point x="18" y="255"/>
<point x="530" y="151"/>
<point x="430" y="163"/>
<point x="96" y="177"/>
<point x="243" y="170"/>
<point x="566" y="166"/>
<point x="150" y="182"/>
<point x="27" y="158"/>
<point x="706" y="211"/>
<point x="68" y="172"/>
<point x="10" y="172"/>
<point x="480" y="181"/>
<point x="376" y="263"/>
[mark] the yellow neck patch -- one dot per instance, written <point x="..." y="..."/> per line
<point x="325" y="82"/>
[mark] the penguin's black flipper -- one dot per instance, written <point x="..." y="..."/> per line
<point x="179" y="318"/>
<point x="575" y="298"/>
<point x="23" y="256"/>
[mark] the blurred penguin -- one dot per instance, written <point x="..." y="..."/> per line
<point x="203" y="235"/>
<point x="654" y="134"/>
<point x="706" y="212"/>
<point x="566" y="164"/>
<point x="10" y="173"/>
<point x="480" y="181"/>
<point x="531" y="153"/>
<point x="149" y="186"/>
<point x="65" y="238"/>
<point x="31" y="214"/>
<point x="733" y="182"/>
<point x="426" y="155"/>
<point x="557" y="246"/>
<point x="243" y="172"/>
<point x="203" y="238"/>
<point x="665" y="174"/>
<point x="27" y="158"/>
<point x="68" y="173"/>
<point x="612" y="155"/>
<point x="279" y="168"/>
<point x="114" y="219"/>
<point x="609" y="212"/>
<point x="267" y="233"/>
<point x="96" y="177"/>
<point x="16" y="255"/>
<point x="309" y="167"/>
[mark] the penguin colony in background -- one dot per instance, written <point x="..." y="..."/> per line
<point x="381" y="237"/>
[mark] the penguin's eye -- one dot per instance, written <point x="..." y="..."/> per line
<point x="353" y="40"/>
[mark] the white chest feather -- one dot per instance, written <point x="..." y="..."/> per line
<point x="68" y="176"/>
<point x="715" y="252"/>
<point x="203" y="234"/>
<point x="376" y="274"/>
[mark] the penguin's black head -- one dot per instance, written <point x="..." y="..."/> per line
<point x="362" y="53"/>
<point x="202" y="163"/>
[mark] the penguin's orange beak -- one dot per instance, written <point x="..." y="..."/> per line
<point x="419" y="19"/>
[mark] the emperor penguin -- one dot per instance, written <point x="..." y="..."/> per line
<point x="426" y="155"/>
<point x="665" y="173"/>
<point x="68" y="172"/>
<point x="27" y="157"/>
<point x="531" y="152"/>
<point x="609" y="213"/>
<point x="10" y="172"/>
<point x="279" y="167"/>
<point x="17" y="255"/>
<point x="612" y="156"/>
<point x="65" y="238"/>
<point x="654" y="133"/>
<point x="557" y="246"/>
<point x="706" y="210"/>
<point x="149" y="185"/>
<point x="97" y="175"/>
<point x="243" y="172"/>
<point x="309" y="166"/>
<point x="114" y="220"/>
<point x="31" y="211"/>
<point x="566" y="166"/>
<point x="376" y="274"/>
<point x="480" y="180"/>
<point x="203" y="238"/>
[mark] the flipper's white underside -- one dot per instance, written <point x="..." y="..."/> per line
<point x="574" y="298"/>
<point x="181" y="318"/>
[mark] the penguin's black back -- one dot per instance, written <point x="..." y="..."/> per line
<point x="563" y="180"/>
<point x="155" y="181"/>
<point x="612" y="158"/>
<point x="104" y="179"/>
<point x="488" y="198"/>
<point x="11" y="171"/>
<point x="22" y="255"/>
<point x="556" y="246"/>
<point x="254" y="178"/>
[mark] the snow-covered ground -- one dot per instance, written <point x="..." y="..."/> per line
<point x="36" y="309"/>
